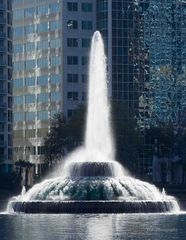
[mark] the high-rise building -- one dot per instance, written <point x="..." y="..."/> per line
<point x="146" y="56"/>
<point x="51" y="42"/>
<point x="121" y="24"/>
<point x="6" y="86"/>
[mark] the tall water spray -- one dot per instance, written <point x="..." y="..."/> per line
<point x="98" y="136"/>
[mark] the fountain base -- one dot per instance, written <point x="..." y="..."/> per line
<point x="78" y="207"/>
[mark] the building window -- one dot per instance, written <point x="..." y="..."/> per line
<point x="10" y="102"/>
<point x="42" y="98"/>
<point x="54" y="8"/>
<point x="84" y="96"/>
<point x="42" y="10"/>
<point x="70" y="112"/>
<point x="30" y="98"/>
<point x="41" y="150"/>
<point x="55" y="79"/>
<point x="72" y="77"/>
<point x="42" y="45"/>
<point x="72" y="24"/>
<point x="55" y="43"/>
<point x="29" y="29"/>
<point x="72" y="42"/>
<point x="2" y="45"/>
<point x="55" y="61"/>
<point x="72" y="6"/>
<point x="17" y="48"/>
<point x="85" y="42"/>
<point x="9" y="60"/>
<point x="86" y="25"/>
<point x="18" y="83"/>
<point x="86" y="7"/>
<point x="18" y="66"/>
<point x="42" y="132"/>
<point x="29" y="64"/>
<point x="72" y="96"/>
<point x="72" y="60"/>
<point x="42" y="62"/>
<point x="42" y="115"/>
<point x="30" y="81"/>
<point x="9" y="32"/>
<point x="29" y="12"/>
<point x="55" y="96"/>
<point x="17" y="32"/>
<point x="84" y="60"/>
<point x="42" y="80"/>
<point x="18" y="100"/>
<point x="30" y="133"/>
<point x="84" y="78"/>
<point x="2" y="127"/>
<point x="9" y="46"/>
<point x="18" y="116"/>
<point x="55" y="25"/>
<point x="2" y="86"/>
<point x="30" y="116"/>
<point x="42" y="27"/>
<point x="18" y="14"/>
<point x="29" y="47"/>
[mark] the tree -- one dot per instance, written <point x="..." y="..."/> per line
<point x="65" y="135"/>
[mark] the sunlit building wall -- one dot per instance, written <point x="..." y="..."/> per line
<point x="50" y="42"/>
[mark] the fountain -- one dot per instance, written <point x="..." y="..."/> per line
<point x="91" y="180"/>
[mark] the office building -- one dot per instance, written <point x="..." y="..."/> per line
<point x="146" y="56"/>
<point x="51" y="43"/>
<point x="6" y="86"/>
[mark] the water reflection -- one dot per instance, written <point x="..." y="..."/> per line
<point x="93" y="227"/>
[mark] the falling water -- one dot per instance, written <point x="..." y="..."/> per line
<point x="98" y="130"/>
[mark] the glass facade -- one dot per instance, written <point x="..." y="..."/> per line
<point x="145" y="43"/>
<point x="50" y="43"/>
<point x="6" y="86"/>
<point x="164" y="40"/>
<point x="36" y="74"/>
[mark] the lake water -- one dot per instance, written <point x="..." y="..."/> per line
<point x="93" y="227"/>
